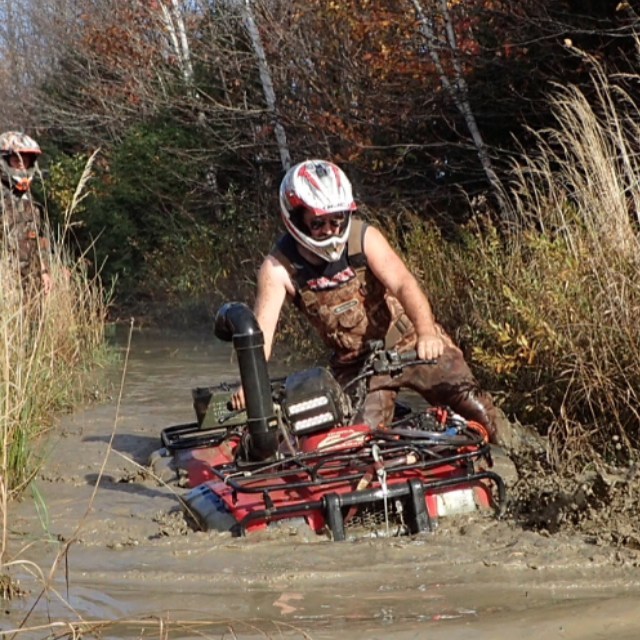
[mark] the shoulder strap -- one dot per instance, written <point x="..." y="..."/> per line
<point x="283" y="253"/>
<point x="356" y="238"/>
<point x="280" y="253"/>
<point x="355" y="253"/>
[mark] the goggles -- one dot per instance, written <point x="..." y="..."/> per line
<point x="334" y="221"/>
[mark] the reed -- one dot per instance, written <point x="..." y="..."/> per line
<point x="548" y="310"/>
<point x="48" y="345"/>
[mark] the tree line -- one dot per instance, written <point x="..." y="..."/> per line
<point x="198" y="106"/>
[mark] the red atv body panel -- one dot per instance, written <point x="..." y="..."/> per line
<point x="332" y="466"/>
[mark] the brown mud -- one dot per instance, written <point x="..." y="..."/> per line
<point x="123" y="552"/>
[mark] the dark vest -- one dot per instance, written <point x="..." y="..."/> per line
<point x="344" y="300"/>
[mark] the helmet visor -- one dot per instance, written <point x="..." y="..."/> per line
<point x="25" y="160"/>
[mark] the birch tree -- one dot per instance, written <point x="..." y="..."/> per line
<point x="246" y="7"/>
<point x="440" y="37"/>
<point x="173" y="18"/>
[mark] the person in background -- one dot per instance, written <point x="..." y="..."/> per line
<point x="22" y="229"/>
<point x="344" y="276"/>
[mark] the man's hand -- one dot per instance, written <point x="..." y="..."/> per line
<point x="429" y="347"/>
<point x="47" y="283"/>
<point x="237" y="399"/>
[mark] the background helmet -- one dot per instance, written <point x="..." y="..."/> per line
<point x="322" y="188"/>
<point x="13" y="143"/>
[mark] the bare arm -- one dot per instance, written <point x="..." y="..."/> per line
<point x="391" y="270"/>
<point x="273" y="285"/>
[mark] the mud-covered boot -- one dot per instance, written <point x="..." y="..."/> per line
<point x="474" y="404"/>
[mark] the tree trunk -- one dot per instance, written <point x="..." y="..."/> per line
<point x="458" y="90"/>
<point x="173" y="20"/>
<point x="267" y="83"/>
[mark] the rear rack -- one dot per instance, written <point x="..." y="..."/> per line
<point x="192" y="436"/>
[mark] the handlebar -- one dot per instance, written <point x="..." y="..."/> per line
<point x="377" y="361"/>
<point x="392" y="361"/>
<point x="381" y="361"/>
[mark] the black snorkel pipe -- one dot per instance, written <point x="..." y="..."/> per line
<point x="236" y="322"/>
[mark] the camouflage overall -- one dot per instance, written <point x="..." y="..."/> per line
<point x="349" y="306"/>
<point x="20" y="233"/>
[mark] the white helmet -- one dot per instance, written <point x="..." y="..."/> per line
<point x="322" y="188"/>
<point x="14" y="143"/>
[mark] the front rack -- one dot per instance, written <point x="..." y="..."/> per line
<point x="335" y="483"/>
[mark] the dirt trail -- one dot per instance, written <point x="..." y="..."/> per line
<point x="133" y="558"/>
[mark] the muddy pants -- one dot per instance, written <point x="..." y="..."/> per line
<point x="449" y="382"/>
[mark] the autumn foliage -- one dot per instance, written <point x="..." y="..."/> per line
<point x="195" y="104"/>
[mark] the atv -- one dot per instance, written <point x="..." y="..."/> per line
<point x="297" y="455"/>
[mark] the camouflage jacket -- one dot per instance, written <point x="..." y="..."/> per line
<point x="343" y="300"/>
<point x="21" y="233"/>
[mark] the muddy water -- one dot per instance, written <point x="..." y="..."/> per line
<point x="130" y="559"/>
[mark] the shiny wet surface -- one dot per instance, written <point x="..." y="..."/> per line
<point x="129" y="557"/>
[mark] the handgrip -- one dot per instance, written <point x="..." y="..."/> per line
<point x="394" y="360"/>
<point x="408" y="356"/>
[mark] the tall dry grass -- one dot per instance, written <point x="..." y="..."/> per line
<point x="48" y="345"/>
<point x="549" y="311"/>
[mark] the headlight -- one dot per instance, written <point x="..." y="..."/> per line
<point x="307" y="405"/>
<point x="313" y="401"/>
<point x="310" y="424"/>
